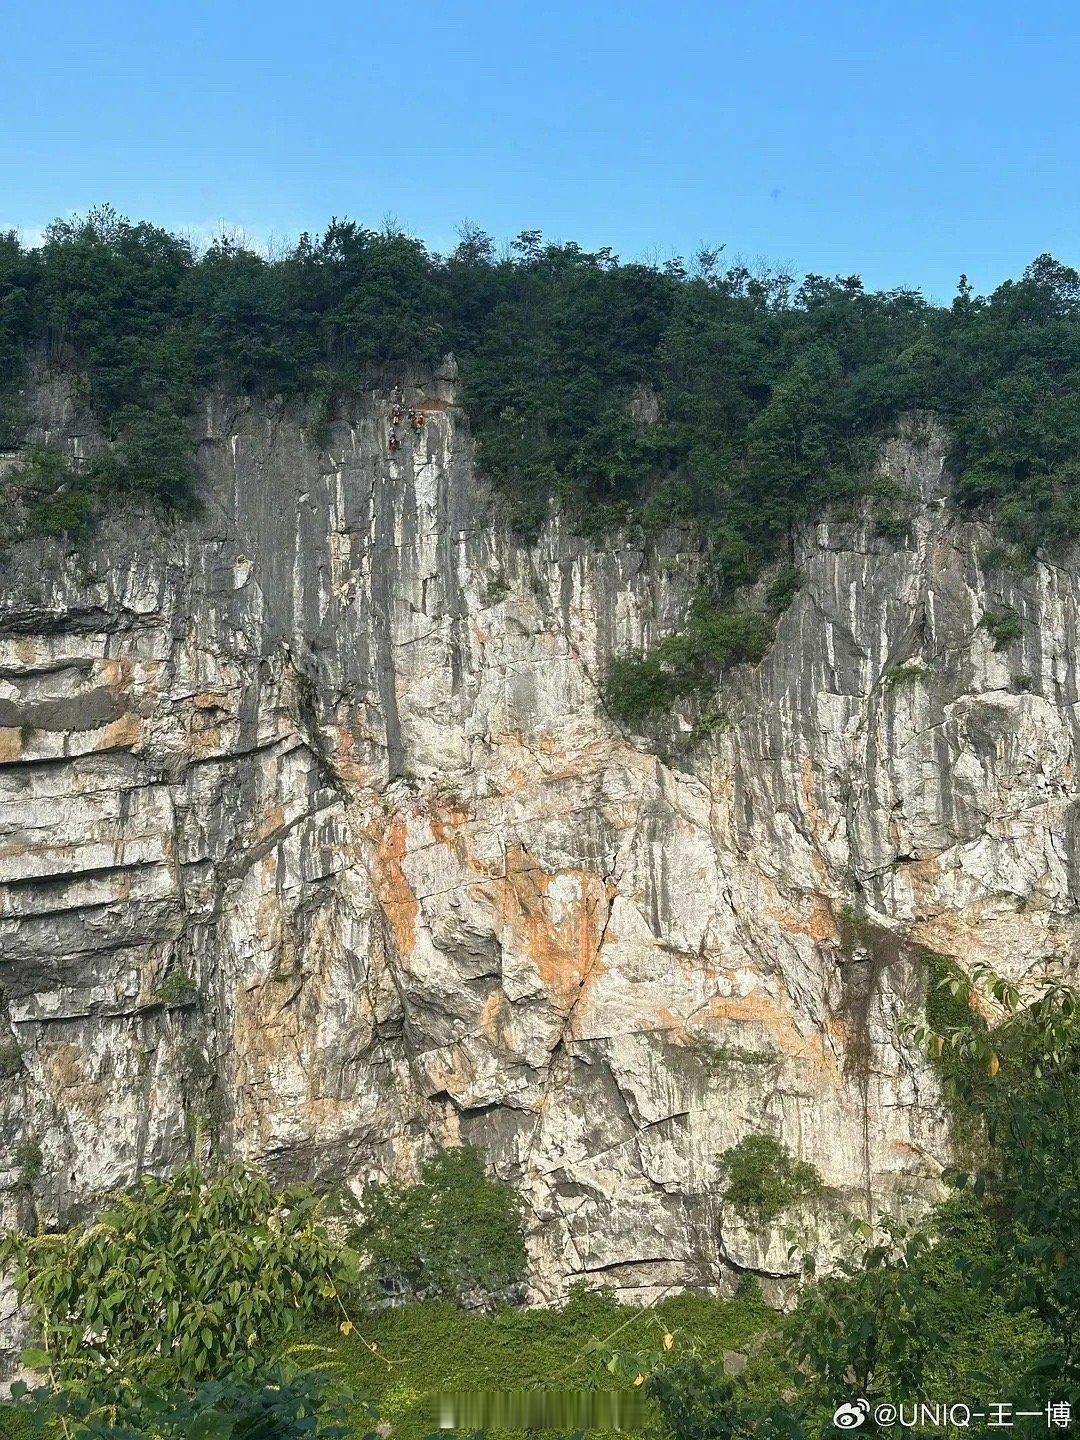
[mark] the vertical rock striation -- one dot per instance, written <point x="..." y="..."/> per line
<point x="316" y="838"/>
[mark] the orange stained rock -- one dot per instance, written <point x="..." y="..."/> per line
<point x="778" y="1022"/>
<point x="495" y="1019"/>
<point x="453" y="1077"/>
<point x="268" y="917"/>
<point x="560" y="930"/>
<point x="272" y="819"/>
<point x="817" y="922"/>
<point x="345" y="763"/>
<point x="966" y="938"/>
<point x="205" y="739"/>
<point x="907" y="1151"/>
<point x="67" y="1079"/>
<point x="121" y="672"/>
<point x="672" y="1025"/>
<point x="513" y="781"/>
<point x="446" y="816"/>
<point x="395" y="894"/>
<point x="561" y="935"/>
<point x="563" y="943"/>
<point x="211" y="700"/>
<point x="806" y="776"/>
<point x="921" y="875"/>
<point x="277" y="1021"/>
<point x="122" y="734"/>
<point x="259" y="1042"/>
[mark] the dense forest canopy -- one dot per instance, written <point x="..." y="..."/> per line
<point x="732" y="401"/>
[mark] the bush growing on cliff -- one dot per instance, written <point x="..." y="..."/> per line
<point x="762" y="1179"/>
<point x="59" y="501"/>
<point x="686" y="664"/>
<point x="184" y="1279"/>
<point x="1003" y="627"/>
<point x="980" y="1300"/>
<point x="454" y="1235"/>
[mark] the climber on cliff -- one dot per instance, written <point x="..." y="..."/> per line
<point x="394" y="441"/>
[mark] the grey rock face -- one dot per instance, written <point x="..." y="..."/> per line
<point x="316" y="839"/>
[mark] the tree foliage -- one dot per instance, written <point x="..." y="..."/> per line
<point x="731" y="402"/>
<point x="453" y="1235"/>
<point x="1021" y="1075"/>
<point x="982" y="1299"/>
<point x="976" y="1302"/>
<point x="287" y="1406"/>
<point x="697" y="1401"/>
<point x="184" y="1279"/>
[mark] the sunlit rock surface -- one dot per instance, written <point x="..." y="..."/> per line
<point x="318" y="843"/>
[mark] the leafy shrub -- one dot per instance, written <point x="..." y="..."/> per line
<point x="900" y="676"/>
<point x="176" y="989"/>
<point x="1003" y="627"/>
<point x="916" y="1310"/>
<point x="274" y="1408"/>
<point x="637" y="687"/>
<point x="59" y="500"/>
<point x="182" y="1280"/>
<point x="697" y="1401"/>
<point x="687" y="664"/>
<point x="1021" y="1076"/>
<point x="889" y="525"/>
<point x="29" y="1160"/>
<point x="1017" y="1085"/>
<point x="454" y="1235"/>
<point x="762" y="1179"/>
<point x="784" y="588"/>
<point x="63" y="514"/>
<point x="949" y="1010"/>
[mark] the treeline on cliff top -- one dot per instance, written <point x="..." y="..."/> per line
<point x="732" y="401"/>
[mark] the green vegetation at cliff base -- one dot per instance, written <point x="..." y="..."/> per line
<point x="423" y="1351"/>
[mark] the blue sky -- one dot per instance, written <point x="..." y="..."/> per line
<point x="905" y="142"/>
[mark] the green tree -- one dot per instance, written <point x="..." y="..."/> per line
<point x="769" y="400"/>
<point x="184" y="1279"/>
<point x="454" y="1235"/>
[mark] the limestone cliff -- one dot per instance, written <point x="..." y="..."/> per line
<point x="316" y="839"/>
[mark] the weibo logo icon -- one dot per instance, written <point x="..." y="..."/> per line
<point x="851" y="1414"/>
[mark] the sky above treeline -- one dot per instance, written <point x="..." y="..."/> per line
<point x="906" y="142"/>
